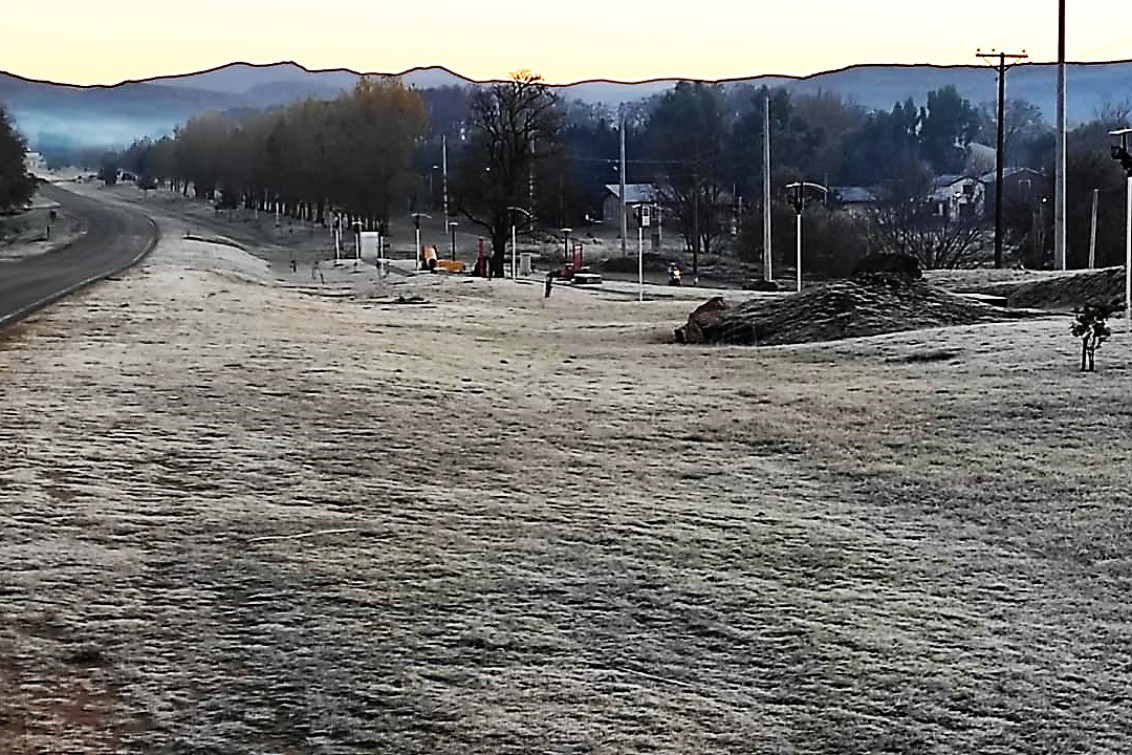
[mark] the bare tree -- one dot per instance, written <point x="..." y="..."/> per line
<point x="905" y="222"/>
<point x="513" y="126"/>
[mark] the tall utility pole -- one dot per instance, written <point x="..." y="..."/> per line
<point x="1093" y="231"/>
<point x="1059" y="189"/>
<point x="444" y="163"/>
<point x="621" y="180"/>
<point x="1000" y="156"/>
<point x="696" y="225"/>
<point x="531" y="187"/>
<point x="768" y="269"/>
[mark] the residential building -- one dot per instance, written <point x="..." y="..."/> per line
<point x="1022" y="187"/>
<point x="856" y="200"/>
<point x="635" y="196"/>
<point x="957" y="197"/>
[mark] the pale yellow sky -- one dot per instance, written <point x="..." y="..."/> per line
<point x="107" y="41"/>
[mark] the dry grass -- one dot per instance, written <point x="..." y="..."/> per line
<point x="548" y="530"/>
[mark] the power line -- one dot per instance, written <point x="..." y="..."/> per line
<point x="1121" y="43"/>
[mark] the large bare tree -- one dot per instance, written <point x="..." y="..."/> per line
<point x="513" y="126"/>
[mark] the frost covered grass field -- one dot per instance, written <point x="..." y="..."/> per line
<point x="246" y="517"/>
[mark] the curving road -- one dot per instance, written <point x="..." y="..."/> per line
<point x="115" y="240"/>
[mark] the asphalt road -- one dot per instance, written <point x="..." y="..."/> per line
<point x="115" y="240"/>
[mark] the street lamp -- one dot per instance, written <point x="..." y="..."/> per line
<point x="798" y="200"/>
<point x="1121" y="153"/>
<point x="514" y="243"/>
<point x="452" y="229"/>
<point x="417" y="225"/>
<point x="566" y="242"/>
<point x="431" y="194"/>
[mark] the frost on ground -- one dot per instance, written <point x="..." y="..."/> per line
<point x="240" y="517"/>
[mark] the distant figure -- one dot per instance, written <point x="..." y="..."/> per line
<point x="674" y="274"/>
<point x="550" y="277"/>
<point x="315" y="272"/>
<point x="294" y="265"/>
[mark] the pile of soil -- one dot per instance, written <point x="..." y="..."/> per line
<point x="862" y="306"/>
<point x="1104" y="286"/>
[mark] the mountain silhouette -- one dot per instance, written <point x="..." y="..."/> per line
<point x="52" y="114"/>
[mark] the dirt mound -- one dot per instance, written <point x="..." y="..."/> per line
<point x="863" y="306"/>
<point x="1066" y="292"/>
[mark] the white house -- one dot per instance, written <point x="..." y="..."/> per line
<point x="35" y="163"/>
<point x="957" y="197"/>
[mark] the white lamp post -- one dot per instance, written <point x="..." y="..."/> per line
<point x="514" y="242"/>
<point x="798" y="199"/>
<point x="452" y="228"/>
<point x="1121" y="153"/>
<point x="566" y="243"/>
<point x="417" y="225"/>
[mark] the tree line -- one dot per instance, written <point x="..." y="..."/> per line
<point x="353" y="154"/>
<point x="374" y="153"/>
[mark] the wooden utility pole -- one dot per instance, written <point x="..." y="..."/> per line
<point x="1000" y="151"/>
<point x="696" y="224"/>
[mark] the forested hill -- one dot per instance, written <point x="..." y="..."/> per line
<point x="57" y="114"/>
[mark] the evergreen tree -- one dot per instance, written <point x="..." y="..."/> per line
<point x="16" y="186"/>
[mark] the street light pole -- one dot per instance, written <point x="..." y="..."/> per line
<point x="514" y="241"/>
<point x="566" y="244"/>
<point x="798" y="235"/>
<point x="417" y="225"/>
<point x="1121" y="153"/>
<point x="452" y="227"/>
<point x="799" y="201"/>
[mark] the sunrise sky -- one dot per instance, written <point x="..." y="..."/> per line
<point x="107" y="41"/>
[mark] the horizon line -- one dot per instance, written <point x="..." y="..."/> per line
<point x="581" y="82"/>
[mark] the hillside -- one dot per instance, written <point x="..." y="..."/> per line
<point x="99" y="115"/>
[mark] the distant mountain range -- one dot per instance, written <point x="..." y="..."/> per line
<point x="55" y="115"/>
